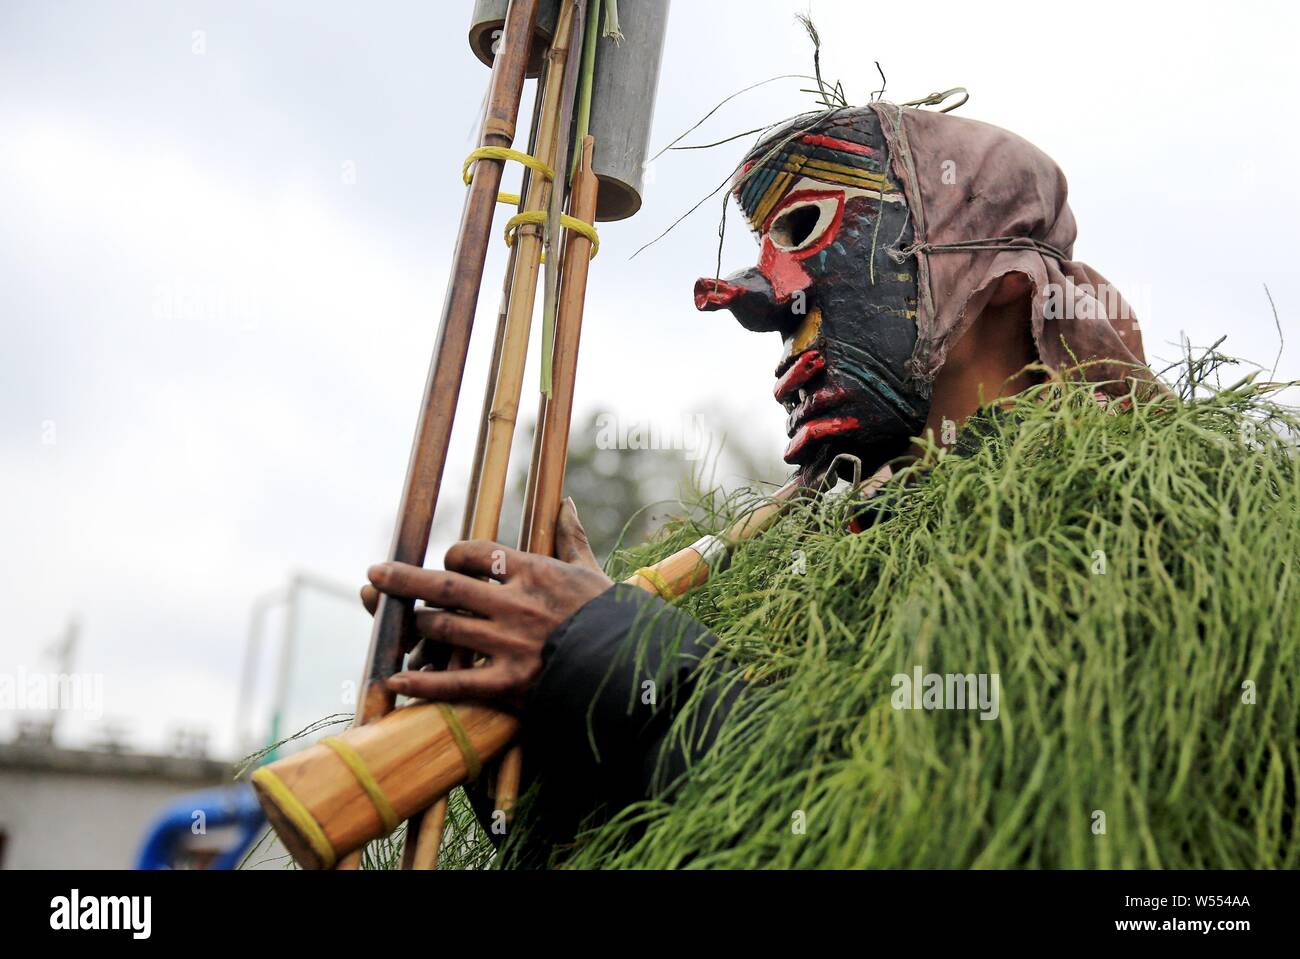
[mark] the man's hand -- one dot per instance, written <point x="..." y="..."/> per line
<point x="508" y="623"/>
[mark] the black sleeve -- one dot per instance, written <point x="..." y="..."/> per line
<point x="616" y="674"/>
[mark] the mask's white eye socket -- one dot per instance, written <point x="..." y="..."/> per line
<point x="803" y="223"/>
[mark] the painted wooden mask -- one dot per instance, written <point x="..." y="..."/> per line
<point x="820" y="197"/>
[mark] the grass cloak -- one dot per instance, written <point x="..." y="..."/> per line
<point x="1129" y="578"/>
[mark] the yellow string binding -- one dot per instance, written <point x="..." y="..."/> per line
<point x="298" y="814"/>
<point x="352" y="759"/>
<point x="566" y="221"/>
<point x="658" y="581"/>
<point x="473" y="764"/>
<point x="504" y="153"/>
<point x="512" y="199"/>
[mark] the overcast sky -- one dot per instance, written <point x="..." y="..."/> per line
<point x="222" y="262"/>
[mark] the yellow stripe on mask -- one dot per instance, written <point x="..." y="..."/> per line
<point x="780" y="184"/>
<point x="873" y="185"/>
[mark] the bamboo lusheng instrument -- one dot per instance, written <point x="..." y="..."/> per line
<point x="320" y="806"/>
<point x="394" y="619"/>
<point x="487" y="491"/>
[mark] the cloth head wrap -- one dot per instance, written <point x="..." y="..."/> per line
<point x="984" y="204"/>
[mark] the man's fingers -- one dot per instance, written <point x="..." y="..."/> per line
<point x="428" y="654"/>
<point x="454" y="685"/>
<point x="436" y="587"/>
<point x="571" y="544"/>
<point x="370" y="598"/>
<point x="467" y="632"/>
<point x="486" y="559"/>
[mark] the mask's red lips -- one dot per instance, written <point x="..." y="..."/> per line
<point x="815" y="430"/>
<point x="819" y="401"/>
<point x="805" y="424"/>
<point x="807" y="365"/>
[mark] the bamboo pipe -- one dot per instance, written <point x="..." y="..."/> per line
<point x="585" y="29"/>
<point x="523" y="294"/>
<point x="318" y="804"/>
<point x="552" y="439"/>
<point x="555" y="414"/>
<point x="489" y="487"/>
<point x="394" y="618"/>
<point x="692" y="565"/>
<point x="499" y="334"/>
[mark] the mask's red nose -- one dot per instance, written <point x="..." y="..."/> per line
<point x="747" y="294"/>
<point x="714" y="294"/>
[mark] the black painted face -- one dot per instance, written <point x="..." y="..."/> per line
<point x="825" y="211"/>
